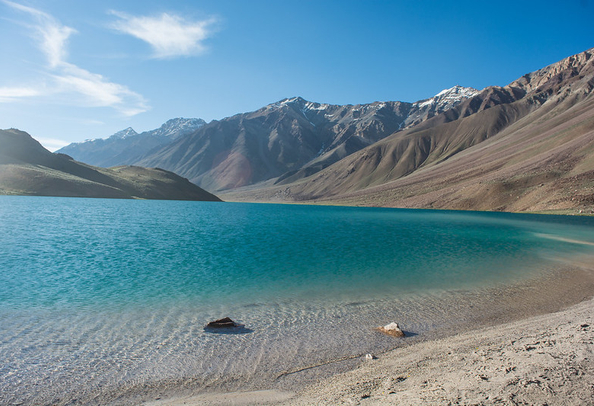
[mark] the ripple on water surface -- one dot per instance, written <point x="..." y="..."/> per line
<point x="97" y="295"/>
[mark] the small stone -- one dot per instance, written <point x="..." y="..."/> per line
<point x="223" y="323"/>
<point x="226" y="326"/>
<point x="369" y="357"/>
<point x="392" y="330"/>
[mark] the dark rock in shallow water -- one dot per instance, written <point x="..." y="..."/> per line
<point x="226" y="326"/>
<point x="222" y="323"/>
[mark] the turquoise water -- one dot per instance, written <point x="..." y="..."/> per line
<point x="96" y="294"/>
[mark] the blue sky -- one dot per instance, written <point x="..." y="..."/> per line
<point x="73" y="70"/>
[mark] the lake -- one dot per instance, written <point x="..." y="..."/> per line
<point x="100" y="299"/>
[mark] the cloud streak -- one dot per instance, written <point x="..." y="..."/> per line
<point x="52" y="36"/>
<point x="78" y="84"/>
<point x="8" y="94"/>
<point x="98" y="91"/>
<point x="169" y="35"/>
<point x="51" y="144"/>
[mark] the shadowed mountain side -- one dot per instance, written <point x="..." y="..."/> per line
<point x="527" y="146"/>
<point x="26" y="168"/>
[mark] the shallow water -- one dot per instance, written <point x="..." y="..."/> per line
<point x="98" y="296"/>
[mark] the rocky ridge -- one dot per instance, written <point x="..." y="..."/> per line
<point x="127" y="146"/>
<point x="289" y="140"/>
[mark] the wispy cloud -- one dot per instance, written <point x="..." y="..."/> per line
<point x="80" y="85"/>
<point x="98" y="91"/>
<point x="169" y="35"/>
<point x="8" y="94"/>
<point x="52" y="35"/>
<point x="51" y="144"/>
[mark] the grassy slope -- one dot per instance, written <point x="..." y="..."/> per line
<point x="26" y="168"/>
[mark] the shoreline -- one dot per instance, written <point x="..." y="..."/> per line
<point x="526" y="353"/>
<point x="575" y="211"/>
<point x="546" y="359"/>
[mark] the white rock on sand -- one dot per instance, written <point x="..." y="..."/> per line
<point x="391" y="329"/>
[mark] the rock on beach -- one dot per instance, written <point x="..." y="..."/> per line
<point x="392" y="330"/>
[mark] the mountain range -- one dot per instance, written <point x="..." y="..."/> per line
<point x="286" y="141"/>
<point x="127" y="146"/>
<point x="26" y="168"/>
<point x="527" y="146"/>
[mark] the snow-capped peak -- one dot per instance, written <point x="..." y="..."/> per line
<point x="175" y="126"/>
<point x="447" y="98"/>
<point x="292" y="100"/>
<point x="287" y="102"/>
<point x="457" y="92"/>
<point x="124" y="133"/>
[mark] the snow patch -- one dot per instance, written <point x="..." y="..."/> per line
<point x="175" y="126"/>
<point x="316" y="106"/>
<point x="447" y="98"/>
<point x="128" y="132"/>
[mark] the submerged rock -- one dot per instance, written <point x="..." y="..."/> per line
<point x="226" y="326"/>
<point x="392" y="330"/>
<point x="223" y="323"/>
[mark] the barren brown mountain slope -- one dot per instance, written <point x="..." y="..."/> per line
<point x="289" y="140"/>
<point x="26" y="168"/>
<point x="526" y="147"/>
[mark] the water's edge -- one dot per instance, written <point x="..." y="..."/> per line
<point x="556" y="290"/>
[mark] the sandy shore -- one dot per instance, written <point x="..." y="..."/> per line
<point x="545" y="359"/>
<point x="542" y="360"/>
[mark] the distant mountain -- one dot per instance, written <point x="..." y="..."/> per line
<point x="289" y="140"/>
<point x="528" y="146"/>
<point x="127" y="146"/>
<point x="26" y="168"/>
